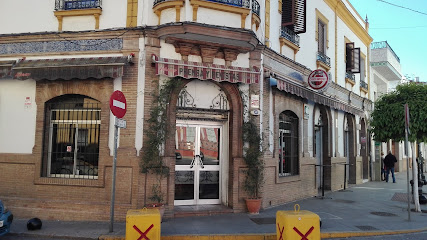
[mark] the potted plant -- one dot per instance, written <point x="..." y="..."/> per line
<point x="254" y="178"/>
<point x="156" y="200"/>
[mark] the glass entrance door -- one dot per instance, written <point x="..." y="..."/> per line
<point x="197" y="168"/>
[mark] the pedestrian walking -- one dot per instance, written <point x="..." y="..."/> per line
<point x="383" y="167"/>
<point x="389" y="162"/>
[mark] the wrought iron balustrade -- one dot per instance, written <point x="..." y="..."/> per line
<point x="76" y="4"/>
<point x="238" y="3"/>
<point x="350" y="76"/>
<point x="363" y="84"/>
<point x="289" y="35"/>
<point x="323" y="58"/>
<point x="255" y="7"/>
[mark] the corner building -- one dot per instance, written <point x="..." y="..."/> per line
<point x="234" y="59"/>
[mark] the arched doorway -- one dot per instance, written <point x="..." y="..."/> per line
<point x="322" y="146"/>
<point x="349" y="151"/>
<point x="364" y="149"/>
<point x="203" y="116"/>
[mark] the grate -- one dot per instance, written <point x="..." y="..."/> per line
<point x="344" y="201"/>
<point x="384" y="214"/>
<point x="366" y="228"/>
<point x="261" y="221"/>
<point x="402" y="197"/>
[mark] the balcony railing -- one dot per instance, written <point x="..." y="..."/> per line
<point x="323" y="58"/>
<point x="76" y="4"/>
<point x="238" y="3"/>
<point x="350" y="76"/>
<point x="255" y="7"/>
<point x="289" y="35"/>
<point x="363" y="84"/>
<point x="384" y="44"/>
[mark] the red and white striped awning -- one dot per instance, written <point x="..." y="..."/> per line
<point x="205" y="71"/>
<point x="70" y="68"/>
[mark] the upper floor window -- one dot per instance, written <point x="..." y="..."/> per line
<point x="76" y="4"/>
<point x="352" y="58"/>
<point x="71" y="137"/>
<point x="321" y="37"/>
<point x="294" y="15"/>
<point x="288" y="144"/>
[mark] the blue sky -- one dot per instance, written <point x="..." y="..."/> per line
<point x="403" y="29"/>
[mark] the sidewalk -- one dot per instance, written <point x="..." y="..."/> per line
<point x="372" y="208"/>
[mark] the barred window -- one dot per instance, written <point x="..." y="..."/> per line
<point x="288" y="144"/>
<point x="71" y="137"/>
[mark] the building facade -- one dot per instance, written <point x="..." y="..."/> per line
<point x="234" y="61"/>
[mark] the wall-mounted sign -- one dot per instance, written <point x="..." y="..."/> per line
<point x="318" y="80"/>
<point x="254" y="101"/>
<point x="306" y="112"/>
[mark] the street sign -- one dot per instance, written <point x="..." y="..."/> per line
<point x="118" y="104"/>
<point x="120" y="123"/>
<point x="318" y="80"/>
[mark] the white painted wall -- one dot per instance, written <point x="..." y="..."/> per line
<point x="17" y="116"/>
<point x="21" y="16"/>
<point x="219" y="18"/>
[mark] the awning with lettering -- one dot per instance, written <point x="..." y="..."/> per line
<point x="304" y="92"/>
<point x="70" y="68"/>
<point x="205" y="71"/>
<point x="6" y="68"/>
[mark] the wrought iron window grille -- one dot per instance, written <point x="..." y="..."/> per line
<point x="350" y="76"/>
<point x="364" y="85"/>
<point x="323" y="58"/>
<point x="289" y="35"/>
<point x="76" y="4"/>
<point x="256" y="7"/>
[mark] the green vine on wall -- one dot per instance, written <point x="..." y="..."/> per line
<point x="254" y="178"/>
<point x="156" y="131"/>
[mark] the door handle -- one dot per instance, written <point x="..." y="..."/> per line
<point x="201" y="162"/>
<point x="192" y="162"/>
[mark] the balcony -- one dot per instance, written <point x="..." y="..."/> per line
<point x="385" y="62"/>
<point x="323" y="61"/>
<point x="350" y="78"/>
<point x="76" y="4"/>
<point x="68" y="8"/>
<point x="289" y="35"/>
<point x="363" y="86"/>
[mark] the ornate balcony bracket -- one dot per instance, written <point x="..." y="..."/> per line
<point x="349" y="78"/>
<point x="60" y="14"/>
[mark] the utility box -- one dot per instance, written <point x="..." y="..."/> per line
<point x="143" y="224"/>
<point x="297" y="224"/>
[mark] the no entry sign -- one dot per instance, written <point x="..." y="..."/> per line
<point x="118" y="104"/>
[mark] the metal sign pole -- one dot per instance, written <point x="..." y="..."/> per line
<point x="113" y="188"/>
<point x="407" y="173"/>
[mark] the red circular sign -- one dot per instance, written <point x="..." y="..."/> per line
<point x="118" y="104"/>
<point x="318" y="79"/>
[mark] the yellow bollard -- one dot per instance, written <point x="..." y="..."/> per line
<point x="297" y="225"/>
<point x="143" y="224"/>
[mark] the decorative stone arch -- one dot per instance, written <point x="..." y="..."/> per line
<point x="349" y="126"/>
<point x="235" y="143"/>
<point x="325" y="119"/>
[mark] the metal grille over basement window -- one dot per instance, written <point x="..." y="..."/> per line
<point x="71" y="137"/>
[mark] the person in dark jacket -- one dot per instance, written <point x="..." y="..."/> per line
<point x="389" y="161"/>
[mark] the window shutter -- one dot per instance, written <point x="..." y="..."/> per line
<point x="349" y="57"/>
<point x="287" y="12"/>
<point x="356" y="60"/>
<point x="321" y="37"/>
<point x="300" y="16"/>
